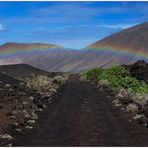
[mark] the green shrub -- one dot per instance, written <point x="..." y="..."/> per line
<point x="114" y="75"/>
<point x="93" y="75"/>
<point x="118" y="77"/>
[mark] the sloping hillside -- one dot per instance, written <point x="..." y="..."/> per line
<point x="124" y="47"/>
<point x="44" y="56"/>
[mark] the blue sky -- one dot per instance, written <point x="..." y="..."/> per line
<point x="71" y="24"/>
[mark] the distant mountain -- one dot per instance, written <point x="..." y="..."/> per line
<point x="124" y="47"/>
<point x="48" y="57"/>
<point x="22" y="46"/>
<point x="134" y="38"/>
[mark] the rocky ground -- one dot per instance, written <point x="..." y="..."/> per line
<point x="22" y="100"/>
<point x="83" y="116"/>
<point x="63" y="110"/>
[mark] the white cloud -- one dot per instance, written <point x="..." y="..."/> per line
<point x="1" y="27"/>
<point x="123" y="26"/>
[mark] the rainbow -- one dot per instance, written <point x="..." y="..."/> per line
<point x="126" y="51"/>
<point x="106" y="49"/>
<point x="12" y="52"/>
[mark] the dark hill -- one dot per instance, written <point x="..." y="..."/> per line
<point x="20" y="70"/>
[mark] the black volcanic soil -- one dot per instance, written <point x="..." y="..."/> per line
<point x="15" y="99"/>
<point x="5" y="79"/>
<point x="139" y="70"/>
<point x="83" y="116"/>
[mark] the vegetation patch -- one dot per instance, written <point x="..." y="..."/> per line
<point x="118" y="77"/>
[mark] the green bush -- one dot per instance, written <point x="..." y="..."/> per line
<point x="118" y="77"/>
<point x="93" y="74"/>
<point x="114" y="75"/>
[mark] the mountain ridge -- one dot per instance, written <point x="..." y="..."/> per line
<point x="124" y="47"/>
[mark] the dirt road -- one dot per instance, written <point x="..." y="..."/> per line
<point x="83" y="116"/>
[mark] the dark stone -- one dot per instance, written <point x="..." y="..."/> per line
<point x="9" y="114"/>
<point x="126" y="101"/>
<point x="139" y="70"/>
<point x="39" y="105"/>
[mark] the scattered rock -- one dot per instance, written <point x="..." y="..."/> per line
<point x="108" y="96"/>
<point x="27" y="116"/>
<point x="138" y="117"/>
<point x="52" y="90"/>
<point x="10" y="90"/>
<point x="16" y="124"/>
<point x="20" y="106"/>
<point x="9" y="145"/>
<point x="130" y="120"/>
<point x="49" y="100"/>
<point x="116" y="102"/>
<point x="103" y="84"/>
<point x="40" y="109"/>
<point x="101" y="89"/>
<point x="131" y="108"/>
<point x="34" y="116"/>
<point x="7" y="86"/>
<point x="14" y="112"/>
<point x="31" y="121"/>
<point x="31" y="98"/>
<point x="121" y="94"/>
<point x="25" y="103"/>
<point x="18" y="129"/>
<point x="29" y="127"/>
<point x="12" y="117"/>
<point x="6" y="136"/>
<point x="44" y="106"/>
<point x="45" y="97"/>
<point x="122" y="108"/>
<point x="22" y="84"/>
